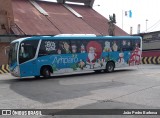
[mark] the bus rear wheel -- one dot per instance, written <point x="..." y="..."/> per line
<point x="110" y="67"/>
<point x="46" y="72"/>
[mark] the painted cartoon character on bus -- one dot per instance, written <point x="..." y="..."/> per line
<point x="107" y="47"/>
<point x="66" y="47"/>
<point x="92" y="56"/>
<point x="59" y="51"/>
<point x="115" y="46"/>
<point x="81" y="64"/>
<point x="83" y="49"/>
<point x="74" y="48"/>
<point x="100" y="62"/>
<point x="124" y="43"/>
<point x="135" y="57"/>
<point x="94" y="50"/>
<point x="129" y="43"/>
<point x="121" y="58"/>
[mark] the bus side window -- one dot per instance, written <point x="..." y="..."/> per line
<point x="74" y="46"/>
<point x="107" y="46"/>
<point x="129" y="45"/>
<point x="136" y="44"/>
<point x="126" y="45"/>
<point x="48" y="47"/>
<point x="101" y="42"/>
<point x="82" y="46"/>
<point x="115" y="45"/>
<point x="64" y="47"/>
<point x="123" y="45"/>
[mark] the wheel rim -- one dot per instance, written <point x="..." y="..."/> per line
<point x="46" y="73"/>
<point x="110" y="67"/>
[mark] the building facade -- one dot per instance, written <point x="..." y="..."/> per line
<point x="20" y="18"/>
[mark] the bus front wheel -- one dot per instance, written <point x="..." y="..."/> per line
<point x="110" y="67"/>
<point x="46" y="72"/>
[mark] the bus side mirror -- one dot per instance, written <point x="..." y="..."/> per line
<point x="22" y="49"/>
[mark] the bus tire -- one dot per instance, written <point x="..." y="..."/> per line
<point x="45" y="72"/>
<point x="110" y="67"/>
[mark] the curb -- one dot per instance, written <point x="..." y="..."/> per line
<point x="4" y="68"/>
<point x="151" y="60"/>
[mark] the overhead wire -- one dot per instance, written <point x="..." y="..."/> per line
<point x="154" y="26"/>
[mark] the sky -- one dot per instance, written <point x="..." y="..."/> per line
<point x="144" y="12"/>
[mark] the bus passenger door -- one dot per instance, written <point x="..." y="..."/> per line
<point x="27" y="58"/>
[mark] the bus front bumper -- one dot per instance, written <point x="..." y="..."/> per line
<point x="16" y="71"/>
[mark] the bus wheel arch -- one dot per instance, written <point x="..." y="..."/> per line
<point x="110" y="66"/>
<point x="46" y="71"/>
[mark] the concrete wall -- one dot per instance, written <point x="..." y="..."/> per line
<point x="6" y="16"/>
<point x="151" y="57"/>
<point x="155" y="45"/>
<point x="4" y="48"/>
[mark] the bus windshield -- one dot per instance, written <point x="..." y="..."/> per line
<point x="27" y="50"/>
<point x="13" y="53"/>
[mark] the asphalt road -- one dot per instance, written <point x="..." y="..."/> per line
<point x="127" y="88"/>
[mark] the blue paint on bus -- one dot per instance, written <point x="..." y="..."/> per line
<point x="32" y="56"/>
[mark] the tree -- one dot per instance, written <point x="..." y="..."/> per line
<point x="112" y="22"/>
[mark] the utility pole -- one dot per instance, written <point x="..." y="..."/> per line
<point x="122" y="19"/>
<point x="146" y="24"/>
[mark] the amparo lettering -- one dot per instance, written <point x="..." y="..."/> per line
<point x="65" y="60"/>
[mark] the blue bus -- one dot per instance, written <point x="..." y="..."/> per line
<point x="50" y="55"/>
